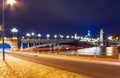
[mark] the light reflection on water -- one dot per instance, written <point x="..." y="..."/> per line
<point x="6" y="50"/>
<point x="108" y="51"/>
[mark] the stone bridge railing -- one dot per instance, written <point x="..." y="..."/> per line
<point x="44" y="41"/>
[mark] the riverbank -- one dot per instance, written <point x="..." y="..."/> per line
<point x="86" y="58"/>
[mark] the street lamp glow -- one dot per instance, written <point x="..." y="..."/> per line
<point x="32" y="33"/>
<point x="14" y="30"/>
<point x="39" y="35"/>
<point x="23" y="37"/>
<point x="61" y="36"/>
<point x="11" y="2"/>
<point x="67" y="36"/>
<point x="48" y="36"/>
<point x="55" y="36"/>
<point x="28" y="34"/>
<point x="110" y="38"/>
<point x="72" y="37"/>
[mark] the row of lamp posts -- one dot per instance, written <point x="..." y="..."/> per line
<point x="28" y="35"/>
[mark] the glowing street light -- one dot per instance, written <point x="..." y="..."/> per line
<point x="23" y="37"/>
<point x="11" y="2"/>
<point x="72" y="37"/>
<point x="110" y="38"/>
<point x="61" y="36"/>
<point x="33" y="34"/>
<point x="48" y="36"/>
<point x="28" y="34"/>
<point x="39" y="35"/>
<point x="67" y="36"/>
<point x="55" y="36"/>
<point x="14" y="30"/>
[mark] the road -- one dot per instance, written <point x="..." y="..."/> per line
<point x="87" y="68"/>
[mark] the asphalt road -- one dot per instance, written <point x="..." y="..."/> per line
<point x="87" y="68"/>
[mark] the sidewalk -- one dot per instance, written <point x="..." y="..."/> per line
<point x="110" y="61"/>
<point x="14" y="67"/>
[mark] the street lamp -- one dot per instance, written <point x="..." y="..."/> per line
<point x="110" y="38"/>
<point x="67" y="36"/>
<point x="48" y="36"/>
<point x="22" y="43"/>
<point x="23" y="37"/>
<point x="33" y="34"/>
<point x="28" y="35"/>
<point x="11" y="2"/>
<point x="39" y="35"/>
<point x="72" y="37"/>
<point x="14" y="30"/>
<point x="55" y="36"/>
<point x="61" y="36"/>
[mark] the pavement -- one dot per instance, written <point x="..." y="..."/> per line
<point x="14" y="67"/>
<point x="92" y="59"/>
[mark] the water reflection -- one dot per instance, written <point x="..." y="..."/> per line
<point x="108" y="51"/>
<point x="6" y="50"/>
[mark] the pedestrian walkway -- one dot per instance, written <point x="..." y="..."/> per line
<point x="14" y="67"/>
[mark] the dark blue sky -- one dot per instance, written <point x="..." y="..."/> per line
<point x="64" y="16"/>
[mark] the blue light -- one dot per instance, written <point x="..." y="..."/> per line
<point x="88" y="33"/>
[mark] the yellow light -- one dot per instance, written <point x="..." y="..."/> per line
<point x="110" y="37"/>
<point x="11" y="2"/>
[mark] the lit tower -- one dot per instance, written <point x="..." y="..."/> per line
<point x="101" y="36"/>
<point x="88" y="33"/>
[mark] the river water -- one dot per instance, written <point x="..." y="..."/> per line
<point x="105" y="51"/>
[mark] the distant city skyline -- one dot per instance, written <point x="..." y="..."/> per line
<point x="63" y="17"/>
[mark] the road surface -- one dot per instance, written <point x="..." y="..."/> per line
<point x="87" y="68"/>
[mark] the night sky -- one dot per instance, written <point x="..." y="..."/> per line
<point x="63" y="16"/>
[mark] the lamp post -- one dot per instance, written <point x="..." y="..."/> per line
<point x="61" y="36"/>
<point x="39" y="35"/>
<point x="10" y="2"/>
<point x="67" y="37"/>
<point x="22" y="43"/>
<point x="72" y="37"/>
<point x="3" y="29"/>
<point x="33" y="34"/>
<point x="28" y="35"/>
<point x="48" y="36"/>
<point x="55" y="36"/>
<point x="14" y="31"/>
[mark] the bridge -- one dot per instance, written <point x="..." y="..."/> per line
<point x="31" y="43"/>
<point x="13" y="42"/>
<point x="44" y="41"/>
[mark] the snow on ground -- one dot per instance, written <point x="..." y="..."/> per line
<point x="16" y="68"/>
